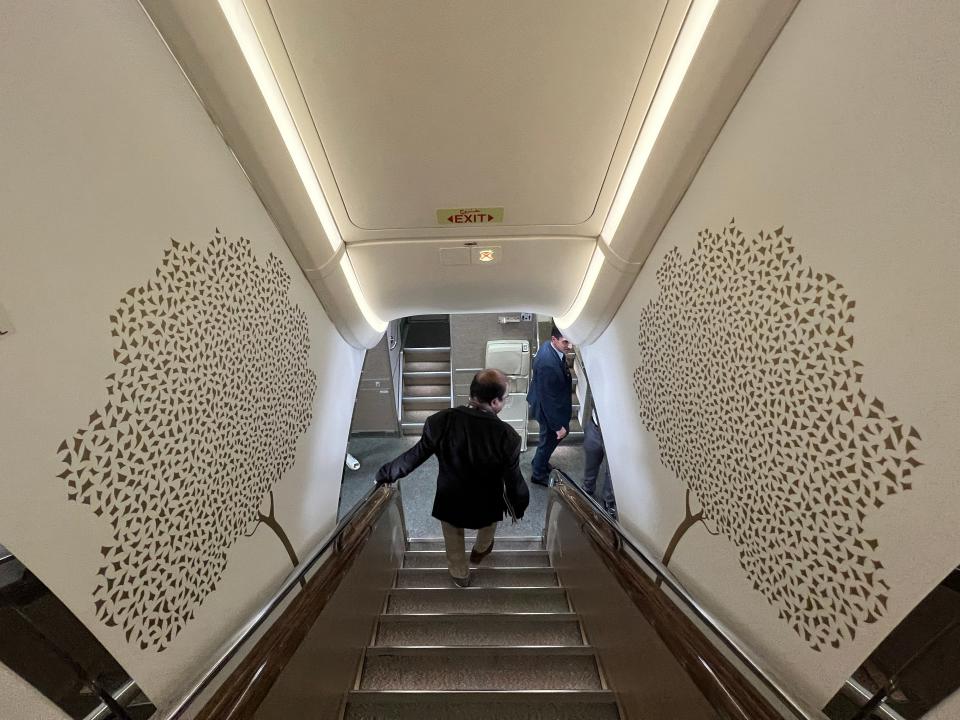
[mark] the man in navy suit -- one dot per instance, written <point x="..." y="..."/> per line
<point x="549" y="398"/>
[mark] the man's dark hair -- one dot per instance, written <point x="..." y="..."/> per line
<point x="488" y="385"/>
<point x="555" y="332"/>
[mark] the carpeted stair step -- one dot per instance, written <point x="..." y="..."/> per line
<point x="431" y="390"/>
<point x="415" y="366"/>
<point x="420" y="355"/>
<point x="412" y="421"/>
<point x="415" y="378"/>
<point x="433" y="404"/>
<point x="478" y="600"/>
<point x="480" y="577"/>
<point x="466" y="705"/>
<point x="501" y="543"/>
<point x="479" y="629"/>
<point x="480" y="668"/>
<point x="498" y="558"/>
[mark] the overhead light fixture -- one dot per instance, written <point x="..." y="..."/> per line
<point x="242" y="27"/>
<point x="694" y="26"/>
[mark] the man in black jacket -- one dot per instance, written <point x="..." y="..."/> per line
<point x="479" y="476"/>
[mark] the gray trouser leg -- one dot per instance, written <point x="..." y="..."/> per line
<point x="593" y="456"/>
<point x="484" y="538"/>
<point x="456" y="557"/>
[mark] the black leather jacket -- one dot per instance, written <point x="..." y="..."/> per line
<point x="479" y="476"/>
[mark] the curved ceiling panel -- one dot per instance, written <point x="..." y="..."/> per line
<point x="407" y="277"/>
<point x="431" y="104"/>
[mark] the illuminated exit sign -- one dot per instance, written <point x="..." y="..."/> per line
<point x="469" y="216"/>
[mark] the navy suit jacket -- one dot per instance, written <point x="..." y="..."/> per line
<point x="550" y="389"/>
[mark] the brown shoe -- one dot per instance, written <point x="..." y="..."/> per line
<point x="461" y="582"/>
<point x="477" y="557"/>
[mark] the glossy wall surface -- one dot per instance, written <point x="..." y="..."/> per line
<point x="778" y="390"/>
<point x="174" y="400"/>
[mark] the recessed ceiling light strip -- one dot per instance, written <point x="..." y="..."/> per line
<point x="353" y="281"/>
<point x="694" y="26"/>
<point x="243" y="29"/>
<point x="589" y="280"/>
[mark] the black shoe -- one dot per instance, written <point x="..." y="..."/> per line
<point x="477" y="557"/>
<point x="461" y="582"/>
<point x="536" y="481"/>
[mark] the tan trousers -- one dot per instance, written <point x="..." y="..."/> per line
<point x="456" y="555"/>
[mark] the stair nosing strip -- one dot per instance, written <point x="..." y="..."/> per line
<point x="495" y="551"/>
<point x="604" y="696"/>
<point x="450" y="650"/>
<point x="555" y="589"/>
<point x="440" y="570"/>
<point x="508" y="616"/>
<point x="504" y="537"/>
<point x="421" y="616"/>
<point x="481" y="587"/>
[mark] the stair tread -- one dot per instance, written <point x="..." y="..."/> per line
<point x="411" y="365"/>
<point x="501" y="543"/>
<point x="480" y="577"/>
<point x="498" y="558"/>
<point x="476" y="705"/>
<point x="478" y="630"/>
<point x="424" y="390"/>
<point x="473" y="600"/>
<point x="531" y="670"/>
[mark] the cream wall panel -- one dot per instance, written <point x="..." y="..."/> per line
<point x="949" y="708"/>
<point x="107" y="155"/>
<point x="19" y="699"/>
<point x="847" y="138"/>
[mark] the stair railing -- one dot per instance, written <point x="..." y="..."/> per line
<point x="718" y="679"/>
<point x="247" y="686"/>
<point x="400" y="394"/>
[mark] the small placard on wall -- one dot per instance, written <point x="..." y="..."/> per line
<point x="6" y="326"/>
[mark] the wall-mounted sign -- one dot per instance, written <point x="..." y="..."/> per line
<point x="469" y="216"/>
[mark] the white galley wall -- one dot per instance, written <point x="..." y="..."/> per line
<point x="174" y="402"/>
<point x="779" y="389"/>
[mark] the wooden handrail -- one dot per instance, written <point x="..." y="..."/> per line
<point x="245" y="689"/>
<point x="721" y="683"/>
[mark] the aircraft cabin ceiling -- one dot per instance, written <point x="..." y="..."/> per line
<point x="456" y="156"/>
<point x="423" y="106"/>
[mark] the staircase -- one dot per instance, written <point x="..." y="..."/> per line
<point x="509" y="646"/>
<point x="426" y="386"/>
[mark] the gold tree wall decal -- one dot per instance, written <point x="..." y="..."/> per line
<point x="211" y="391"/>
<point x="747" y="381"/>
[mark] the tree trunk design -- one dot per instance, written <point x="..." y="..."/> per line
<point x="271" y="522"/>
<point x="688" y="522"/>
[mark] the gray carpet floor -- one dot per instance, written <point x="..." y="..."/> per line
<point x="419" y="487"/>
